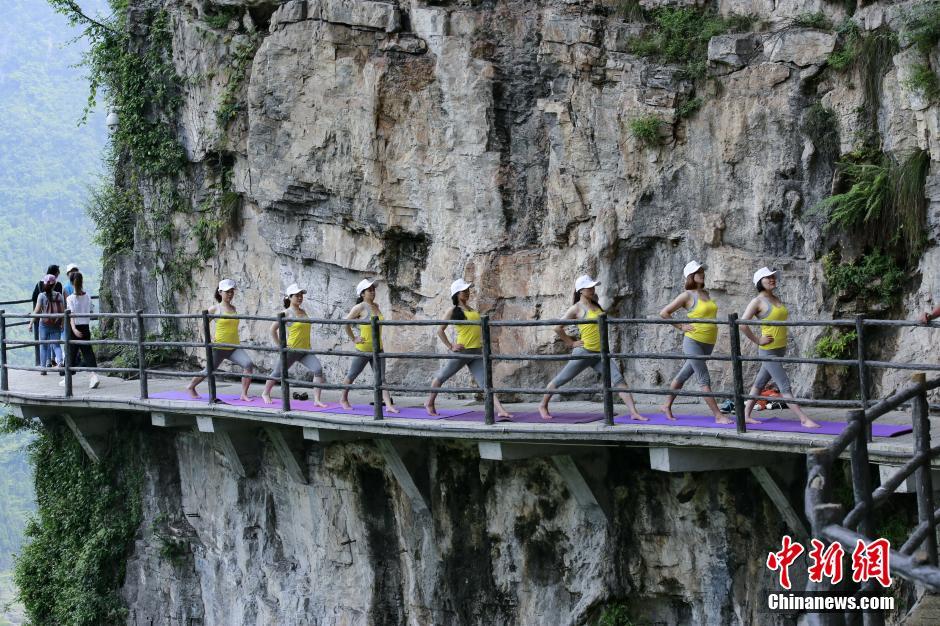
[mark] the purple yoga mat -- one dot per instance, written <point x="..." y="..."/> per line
<point x="256" y="402"/>
<point x="775" y="424"/>
<point x="405" y="412"/>
<point x="532" y="417"/>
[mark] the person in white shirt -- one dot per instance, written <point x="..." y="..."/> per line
<point x="79" y="303"/>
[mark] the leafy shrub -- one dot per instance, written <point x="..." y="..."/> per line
<point x="924" y="80"/>
<point x="875" y="277"/>
<point x="646" y="129"/>
<point x="629" y="10"/>
<point x="114" y="211"/>
<point x="813" y="20"/>
<point x="616" y="614"/>
<point x="836" y="345"/>
<point x="689" y="108"/>
<point x="680" y="35"/>
<point x="922" y="26"/>
<point x="221" y="16"/>
<point x="822" y="126"/>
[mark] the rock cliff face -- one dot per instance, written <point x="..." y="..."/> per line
<point x="495" y="140"/>
<point x="492" y="140"/>
<point x="504" y="542"/>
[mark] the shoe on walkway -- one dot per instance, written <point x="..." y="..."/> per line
<point x="94" y="382"/>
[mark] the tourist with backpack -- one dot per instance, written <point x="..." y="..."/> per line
<point x="49" y="302"/>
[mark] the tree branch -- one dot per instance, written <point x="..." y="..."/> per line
<point x="77" y="14"/>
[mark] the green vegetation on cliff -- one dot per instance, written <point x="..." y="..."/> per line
<point x="72" y="566"/>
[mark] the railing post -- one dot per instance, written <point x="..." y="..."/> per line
<point x="737" y="371"/>
<point x="141" y="355"/>
<point x="4" y="375"/>
<point x="67" y="352"/>
<point x="207" y="342"/>
<point x="602" y="331"/>
<point x="488" y="410"/>
<point x="282" y="353"/>
<point x="861" y="477"/>
<point x="377" y="379"/>
<point x="862" y="369"/>
<point x="923" y="475"/>
<point x="36" y="322"/>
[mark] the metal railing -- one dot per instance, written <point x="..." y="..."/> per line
<point x="829" y="520"/>
<point x="487" y="326"/>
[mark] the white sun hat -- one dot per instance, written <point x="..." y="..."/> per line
<point x="226" y="283"/>
<point x="691" y="267"/>
<point x="459" y="285"/>
<point x="764" y="272"/>
<point x="292" y="289"/>
<point x="70" y="267"/>
<point x="584" y="282"/>
<point x="364" y="284"/>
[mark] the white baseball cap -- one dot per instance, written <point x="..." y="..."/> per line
<point x="364" y="284"/>
<point x="70" y="267"/>
<point x="691" y="267"/>
<point x="459" y="285"/>
<point x="764" y="272"/>
<point x="584" y="282"/>
<point x="226" y="284"/>
<point x="292" y="289"/>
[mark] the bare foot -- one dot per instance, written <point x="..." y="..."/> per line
<point x="639" y="418"/>
<point x="667" y="411"/>
<point x="391" y="408"/>
<point x="345" y="404"/>
<point x="751" y="420"/>
<point x="504" y="415"/>
<point x="723" y="419"/>
<point x="319" y="404"/>
<point x="190" y="390"/>
<point x="543" y="411"/>
<point x="245" y="397"/>
<point x="429" y="407"/>
<point x="808" y="423"/>
<point x="267" y="398"/>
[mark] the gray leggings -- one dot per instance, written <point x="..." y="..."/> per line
<point x="238" y="356"/>
<point x="310" y="361"/>
<point x="700" y="368"/>
<point x="769" y="369"/>
<point x="473" y="361"/>
<point x="359" y="363"/>
<point x="573" y="368"/>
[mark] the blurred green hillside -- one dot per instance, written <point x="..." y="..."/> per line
<point x="47" y="165"/>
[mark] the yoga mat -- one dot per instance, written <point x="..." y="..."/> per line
<point x="405" y="412"/>
<point x="256" y="402"/>
<point x="774" y="424"/>
<point x="532" y="417"/>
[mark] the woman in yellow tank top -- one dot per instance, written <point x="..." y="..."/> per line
<point x="466" y="348"/>
<point x="298" y="337"/>
<point x="586" y="307"/>
<point x="226" y="331"/>
<point x="772" y="343"/>
<point x="364" y="309"/>
<point x="699" y="339"/>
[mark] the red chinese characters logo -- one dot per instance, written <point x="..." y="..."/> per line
<point x="826" y="563"/>
<point x="782" y="560"/>
<point x="870" y="561"/>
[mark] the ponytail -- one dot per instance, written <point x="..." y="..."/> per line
<point x="595" y="302"/>
<point x="217" y="296"/>
<point x="78" y="283"/>
<point x="287" y="302"/>
<point x="359" y="299"/>
<point x="457" y="313"/>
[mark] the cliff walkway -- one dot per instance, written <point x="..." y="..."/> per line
<point x="891" y="436"/>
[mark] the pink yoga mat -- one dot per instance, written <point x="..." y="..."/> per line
<point x="775" y="424"/>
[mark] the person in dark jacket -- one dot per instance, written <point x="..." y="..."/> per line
<point x="39" y="288"/>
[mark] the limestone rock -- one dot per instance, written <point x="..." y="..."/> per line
<point x="800" y="46"/>
<point x="734" y="50"/>
<point x="382" y="16"/>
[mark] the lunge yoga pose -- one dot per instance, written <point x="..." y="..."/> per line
<point x="364" y="309"/>
<point x="226" y="331"/>
<point x="586" y="307"/>
<point x="298" y="338"/>
<point x="467" y="349"/>
<point x="772" y="343"/>
<point x="699" y="339"/>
